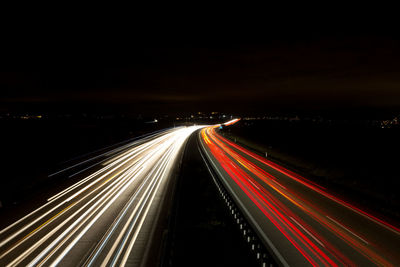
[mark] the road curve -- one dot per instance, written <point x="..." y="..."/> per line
<point x="299" y="222"/>
<point x="104" y="219"/>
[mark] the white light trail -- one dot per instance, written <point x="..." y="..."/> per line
<point x="133" y="173"/>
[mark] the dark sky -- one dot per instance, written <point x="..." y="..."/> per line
<point x="246" y="69"/>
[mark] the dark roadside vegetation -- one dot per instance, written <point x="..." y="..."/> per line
<point x="357" y="160"/>
<point x="202" y="231"/>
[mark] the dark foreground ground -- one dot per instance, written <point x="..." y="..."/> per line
<point x="355" y="161"/>
<point x="202" y="231"/>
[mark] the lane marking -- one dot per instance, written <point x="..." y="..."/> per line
<point x="278" y="184"/>
<point x="341" y="225"/>
<point x="305" y="230"/>
<point x="254" y="184"/>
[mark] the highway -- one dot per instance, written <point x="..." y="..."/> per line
<point x="105" y="219"/>
<point x="300" y="222"/>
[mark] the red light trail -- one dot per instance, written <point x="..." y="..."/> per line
<point x="319" y="227"/>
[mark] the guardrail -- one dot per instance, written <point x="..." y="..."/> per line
<point x="245" y="228"/>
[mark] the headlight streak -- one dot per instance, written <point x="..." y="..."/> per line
<point x="99" y="248"/>
<point x="131" y="223"/>
<point x="51" y="200"/>
<point x="83" y="220"/>
<point x="177" y="146"/>
<point x="114" y="151"/>
<point x="123" y="185"/>
<point x="111" y="162"/>
<point x="132" y="220"/>
<point x="41" y="241"/>
<point x="127" y="158"/>
<point x="136" y="150"/>
<point x="69" y="199"/>
<point x="73" y="242"/>
<point x="225" y="156"/>
<point x="68" y="215"/>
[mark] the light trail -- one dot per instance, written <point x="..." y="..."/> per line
<point x="279" y="201"/>
<point x="133" y="142"/>
<point x="112" y="205"/>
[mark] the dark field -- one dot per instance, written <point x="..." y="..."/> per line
<point x="356" y="161"/>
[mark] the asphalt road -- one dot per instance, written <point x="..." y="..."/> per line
<point x="300" y="222"/>
<point x="108" y="217"/>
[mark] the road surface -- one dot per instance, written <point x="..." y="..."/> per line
<point x="108" y="217"/>
<point x="299" y="222"/>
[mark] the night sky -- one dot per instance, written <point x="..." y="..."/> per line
<point x="141" y="70"/>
